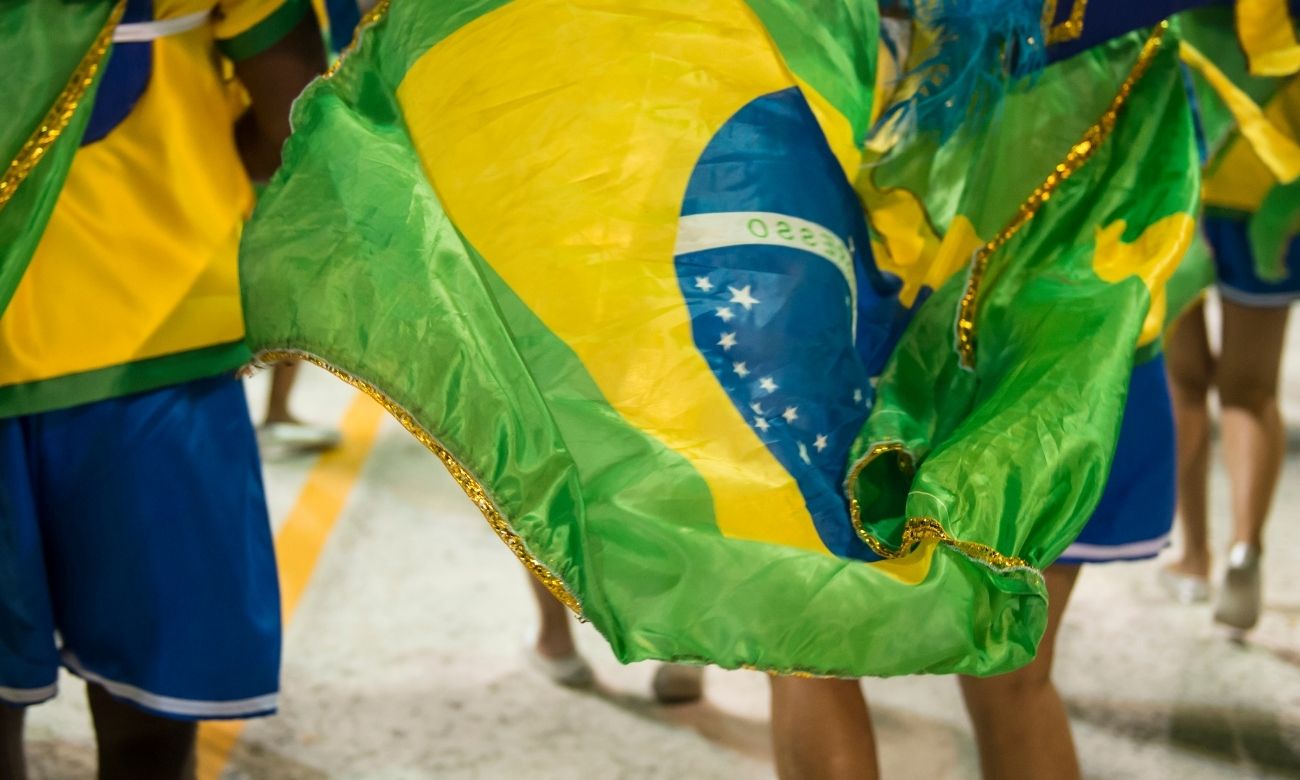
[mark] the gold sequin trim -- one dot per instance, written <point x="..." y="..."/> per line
<point x="467" y="481"/>
<point x="373" y="15"/>
<point x="1079" y="154"/>
<point x="855" y="509"/>
<point x="1069" y="30"/>
<point x="918" y="529"/>
<point x="60" y="114"/>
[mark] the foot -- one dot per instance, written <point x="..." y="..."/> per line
<point x="570" y="670"/>
<point x="298" y="437"/>
<point x="1183" y="587"/>
<point x="1239" y="597"/>
<point x="678" y="683"/>
<point x="1192" y="564"/>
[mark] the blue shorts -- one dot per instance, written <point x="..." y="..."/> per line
<point x="1234" y="263"/>
<point x="135" y="531"/>
<point x="1136" y="511"/>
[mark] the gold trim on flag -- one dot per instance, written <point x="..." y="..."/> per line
<point x="919" y="529"/>
<point x="1078" y="155"/>
<point x="60" y="114"/>
<point x="1069" y="30"/>
<point x="464" y="477"/>
<point x="371" y="17"/>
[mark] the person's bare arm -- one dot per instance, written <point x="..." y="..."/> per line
<point x="273" y="79"/>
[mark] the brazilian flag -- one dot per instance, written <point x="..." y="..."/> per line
<point x="733" y="396"/>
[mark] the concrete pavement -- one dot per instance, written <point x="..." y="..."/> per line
<point x="403" y="660"/>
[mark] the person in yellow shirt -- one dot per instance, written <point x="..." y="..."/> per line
<point x="137" y="549"/>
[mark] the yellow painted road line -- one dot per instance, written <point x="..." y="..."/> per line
<point x="298" y="547"/>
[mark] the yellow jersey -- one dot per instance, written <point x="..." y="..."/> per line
<point x="134" y="284"/>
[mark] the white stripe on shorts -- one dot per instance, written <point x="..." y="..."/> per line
<point x="187" y="708"/>
<point x="28" y="695"/>
<point x="1265" y="300"/>
<point x="1116" y="552"/>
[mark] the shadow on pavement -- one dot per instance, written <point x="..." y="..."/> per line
<point x="1242" y="737"/>
<point x="737" y="733"/>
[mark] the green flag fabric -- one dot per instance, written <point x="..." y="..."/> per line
<point x="1251" y="130"/>
<point x="999" y="411"/>
<point x="617" y="274"/>
<point x="53" y="53"/>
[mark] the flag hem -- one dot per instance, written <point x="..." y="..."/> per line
<point x="468" y="482"/>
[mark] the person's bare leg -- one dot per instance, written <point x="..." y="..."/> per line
<point x="1254" y="446"/>
<point x="277" y="403"/>
<point x="554" y="639"/>
<point x="281" y="431"/>
<point x="13" y="766"/>
<point x="821" y="730"/>
<point x="1254" y="443"/>
<point x="134" y="745"/>
<point x="553" y="653"/>
<point x="1021" y="726"/>
<point x="1191" y="368"/>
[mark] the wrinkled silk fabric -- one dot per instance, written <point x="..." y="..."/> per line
<point x="52" y="46"/>
<point x="1250" y="124"/>
<point x="610" y="262"/>
<point x="1013" y="451"/>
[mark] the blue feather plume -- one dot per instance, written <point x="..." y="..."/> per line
<point x="979" y="47"/>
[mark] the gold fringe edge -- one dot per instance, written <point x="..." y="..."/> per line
<point x="467" y="481"/>
<point x="60" y="114"/>
<point x="476" y="493"/>
<point x="919" y="529"/>
<point x="1069" y="30"/>
<point x="1079" y="154"/>
<point x="376" y="13"/>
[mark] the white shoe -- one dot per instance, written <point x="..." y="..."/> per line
<point x="571" y="671"/>
<point x="678" y="683"/>
<point x="1185" y="588"/>
<point x="297" y="437"/>
<point x="1239" y="597"/>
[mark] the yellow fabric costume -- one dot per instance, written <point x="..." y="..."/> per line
<point x="134" y="284"/>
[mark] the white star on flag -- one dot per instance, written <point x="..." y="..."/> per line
<point x="803" y="453"/>
<point x="767" y="384"/>
<point x="761" y="424"/>
<point x="820" y="442"/>
<point x="757" y="407"/>
<point x="703" y="284"/>
<point x="741" y="370"/>
<point x="724" y="312"/>
<point x="857" y="396"/>
<point x="791" y="414"/>
<point x="727" y="341"/>
<point x="744" y="297"/>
